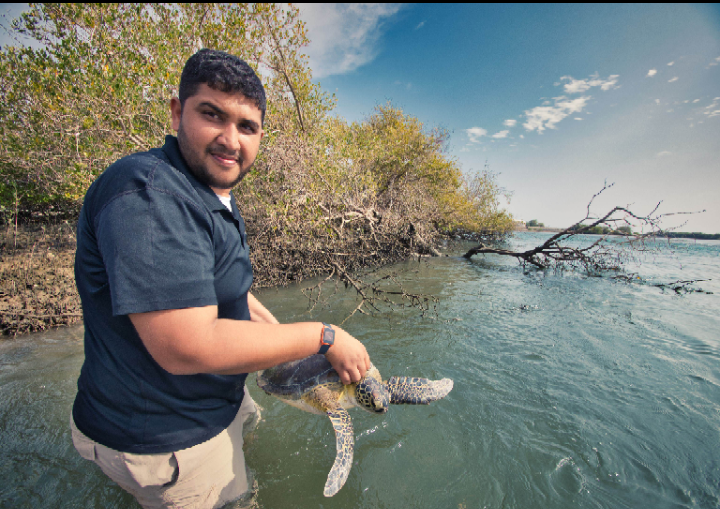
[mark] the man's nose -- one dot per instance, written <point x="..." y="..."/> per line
<point x="230" y="138"/>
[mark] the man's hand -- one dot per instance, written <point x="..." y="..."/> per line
<point x="348" y="356"/>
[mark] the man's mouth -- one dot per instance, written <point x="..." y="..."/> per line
<point x="224" y="159"/>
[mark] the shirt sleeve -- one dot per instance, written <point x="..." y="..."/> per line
<point x="158" y="252"/>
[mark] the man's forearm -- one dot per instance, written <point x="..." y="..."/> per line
<point x="193" y="340"/>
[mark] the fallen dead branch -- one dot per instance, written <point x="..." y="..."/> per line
<point x="619" y="240"/>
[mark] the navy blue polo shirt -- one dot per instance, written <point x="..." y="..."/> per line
<point x="152" y="237"/>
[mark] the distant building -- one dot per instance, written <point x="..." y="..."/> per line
<point x="519" y="224"/>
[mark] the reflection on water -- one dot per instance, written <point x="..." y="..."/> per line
<point x="39" y="466"/>
<point x="569" y="392"/>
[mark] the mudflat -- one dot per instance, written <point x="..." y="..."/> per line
<point x="37" y="281"/>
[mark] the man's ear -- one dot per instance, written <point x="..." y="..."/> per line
<point x="176" y="112"/>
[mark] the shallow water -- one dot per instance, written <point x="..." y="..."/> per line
<point x="569" y="392"/>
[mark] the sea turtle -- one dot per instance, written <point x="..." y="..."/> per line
<point x="311" y="384"/>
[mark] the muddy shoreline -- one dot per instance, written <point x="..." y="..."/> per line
<point x="37" y="280"/>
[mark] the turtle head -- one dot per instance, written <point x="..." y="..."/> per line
<point x="372" y="396"/>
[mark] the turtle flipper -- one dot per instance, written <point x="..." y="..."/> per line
<point x="417" y="391"/>
<point x="344" y="444"/>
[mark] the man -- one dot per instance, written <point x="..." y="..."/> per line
<point x="171" y="329"/>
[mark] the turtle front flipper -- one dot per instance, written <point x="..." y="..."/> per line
<point x="344" y="444"/>
<point x="417" y="391"/>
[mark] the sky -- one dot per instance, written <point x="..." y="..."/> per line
<point x="557" y="100"/>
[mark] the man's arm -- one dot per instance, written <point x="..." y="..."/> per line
<point x="194" y="340"/>
<point x="258" y="312"/>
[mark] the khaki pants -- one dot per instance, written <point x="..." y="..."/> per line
<point x="206" y="476"/>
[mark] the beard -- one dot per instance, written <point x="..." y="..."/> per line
<point x="197" y="166"/>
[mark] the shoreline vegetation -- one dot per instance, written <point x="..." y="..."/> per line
<point x="325" y="197"/>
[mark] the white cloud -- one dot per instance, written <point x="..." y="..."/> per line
<point x="651" y="72"/>
<point x="420" y="25"/>
<point x="657" y="101"/>
<point x="696" y="101"/>
<point x="712" y="110"/>
<point x="578" y="86"/>
<point x="510" y="122"/>
<point x="664" y="153"/>
<point x="547" y="117"/>
<point x="501" y="134"/>
<point x="673" y="79"/>
<point x="475" y="133"/>
<point x="343" y="37"/>
<point x="578" y="118"/>
<point x="671" y="63"/>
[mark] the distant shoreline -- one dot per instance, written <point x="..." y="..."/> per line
<point x="538" y="229"/>
<point x="670" y="235"/>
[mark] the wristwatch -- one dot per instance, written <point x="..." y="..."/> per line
<point x="327" y="338"/>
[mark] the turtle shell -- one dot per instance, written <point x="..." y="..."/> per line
<point x="291" y="380"/>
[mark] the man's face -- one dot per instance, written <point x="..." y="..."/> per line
<point x="219" y="136"/>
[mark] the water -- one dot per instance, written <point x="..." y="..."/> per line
<point x="570" y="392"/>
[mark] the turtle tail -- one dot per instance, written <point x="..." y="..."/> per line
<point x="417" y="391"/>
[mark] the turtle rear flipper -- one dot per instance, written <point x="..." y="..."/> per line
<point x="417" y="391"/>
<point x="344" y="444"/>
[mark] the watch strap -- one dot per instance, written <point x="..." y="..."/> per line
<point x="327" y="338"/>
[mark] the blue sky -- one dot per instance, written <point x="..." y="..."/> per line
<point x="557" y="99"/>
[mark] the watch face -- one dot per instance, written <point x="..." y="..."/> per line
<point x="328" y="336"/>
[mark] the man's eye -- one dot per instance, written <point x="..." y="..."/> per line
<point x="211" y="114"/>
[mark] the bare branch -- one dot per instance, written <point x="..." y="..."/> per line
<point x="599" y="256"/>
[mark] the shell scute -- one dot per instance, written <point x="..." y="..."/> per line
<point x="294" y="379"/>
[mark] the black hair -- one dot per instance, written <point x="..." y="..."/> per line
<point x="224" y="72"/>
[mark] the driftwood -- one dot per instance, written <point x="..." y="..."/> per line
<point x="607" y="253"/>
<point x="372" y="294"/>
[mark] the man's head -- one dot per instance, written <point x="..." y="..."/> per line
<point x="219" y="117"/>
<point x="223" y="72"/>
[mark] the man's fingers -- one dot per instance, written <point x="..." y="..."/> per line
<point x="350" y="376"/>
